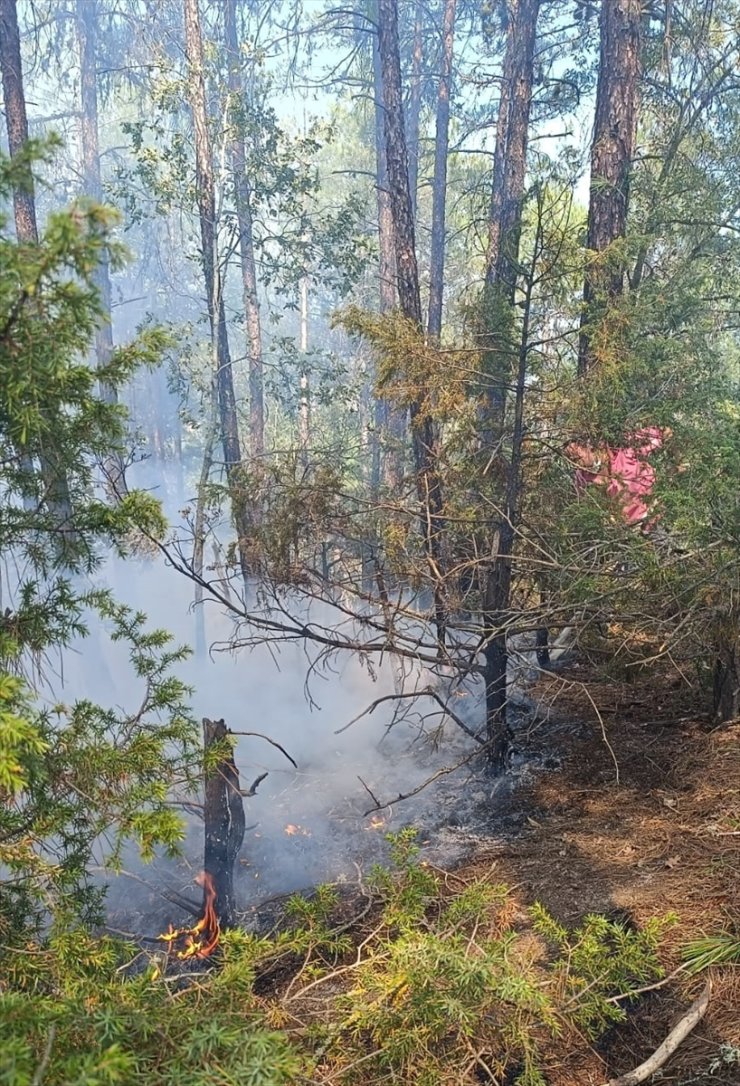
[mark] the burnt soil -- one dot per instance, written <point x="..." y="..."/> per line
<point x="641" y="818"/>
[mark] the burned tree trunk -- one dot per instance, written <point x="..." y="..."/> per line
<point x="224" y="816"/>
<point x="612" y="151"/>
<point x="439" y="190"/>
<point x="429" y="486"/>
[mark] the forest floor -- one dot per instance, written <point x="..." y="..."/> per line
<point x="642" y="819"/>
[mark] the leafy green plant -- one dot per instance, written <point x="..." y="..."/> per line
<point x="712" y="950"/>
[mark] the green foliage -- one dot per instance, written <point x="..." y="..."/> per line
<point x="71" y="775"/>
<point x="445" y="984"/>
<point x="712" y="950"/>
<point x="601" y="957"/>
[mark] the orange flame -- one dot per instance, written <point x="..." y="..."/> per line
<point x="293" y="831"/>
<point x="202" y="940"/>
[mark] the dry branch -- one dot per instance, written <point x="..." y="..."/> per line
<point x="678" y="1034"/>
<point x="273" y="743"/>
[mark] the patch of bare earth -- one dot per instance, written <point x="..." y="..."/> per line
<point x="642" y="819"/>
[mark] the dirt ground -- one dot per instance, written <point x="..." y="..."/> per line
<point x="643" y="818"/>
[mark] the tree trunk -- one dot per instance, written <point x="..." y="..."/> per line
<point x="439" y="191"/>
<point x="56" y="486"/>
<point x="510" y="157"/>
<point x="612" y="151"/>
<point x="505" y="214"/>
<point x="304" y="405"/>
<point x="390" y="421"/>
<point x="497" y="613"/>
<point x="501" y="355"/>
<point x="87" y="34"/>
<point x="206" y="196"/>
<point x="24" y="204"/>
<point x="414" y="109"/>
<point x="242" y="194"/>
<point x="224" y="818"/>
<point x="407" y="276"/>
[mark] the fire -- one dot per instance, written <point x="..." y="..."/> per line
<point x="376" y="823"/>
<point x="294" y="831"/>
<point x="202" y="940"/>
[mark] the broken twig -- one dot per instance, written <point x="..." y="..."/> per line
<point x="678" y="1034"/>
<point x="252" y="790"/>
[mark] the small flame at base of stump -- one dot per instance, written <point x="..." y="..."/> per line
<point x="201" y="940"/>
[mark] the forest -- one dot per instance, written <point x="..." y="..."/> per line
<point x="370" y="542"/>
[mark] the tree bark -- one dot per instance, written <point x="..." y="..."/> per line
<point x="612" y="152"/>
<point x="510" y="157"/>
<point x="224" y="818"/>
<point x="56" y="485"/>
<point x="242" y="194"/>
<point x="439" y="190"/>
<point x="24" y="204"/>
<point x="501" y="355"/>
<point x="87" y="35"/>
<point x="206" y="196"/>
<point x="304" y="405"/>
<point x="390" y="421"/>
<point x="407" y="276"/>
<point x="414" y="110"/>
<point x="497" y="596"/>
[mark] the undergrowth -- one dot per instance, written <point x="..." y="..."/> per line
<point x="436" y="981"/>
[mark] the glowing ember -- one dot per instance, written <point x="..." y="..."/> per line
<point x="202" y="940"/>
<point x="376" y="823"/>
<point x="295" y="831"/>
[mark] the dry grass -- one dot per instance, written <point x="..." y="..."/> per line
<point x="666" y="838"/>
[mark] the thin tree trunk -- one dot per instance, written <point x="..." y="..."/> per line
<point x="87" y="35"/>
<point x="390" y="421"/>
<point x="304" y="406"/>
<point x="206" y="196"/>
<point x="500" y="355"/>
<point x="612" y="152"/>
<point x="242" y="194"/>
<point x="505" y="214"/>
<point x="439" y="191"/>
<point x="498" y="584"/>
<point x="510" y="157"/>
<point x="414" y="110"/>
<point x="24" y="204"/>
<point x="407" y="276"/>
<point x="199" y="527"/>
<point x="56" y="485"/>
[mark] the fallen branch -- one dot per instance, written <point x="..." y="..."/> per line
<point x="678" y="1034"/>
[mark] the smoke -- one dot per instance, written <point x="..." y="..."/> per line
<point x="306" y="824"/>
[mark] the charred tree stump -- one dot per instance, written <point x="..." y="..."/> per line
<point x="224" y="816"/>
